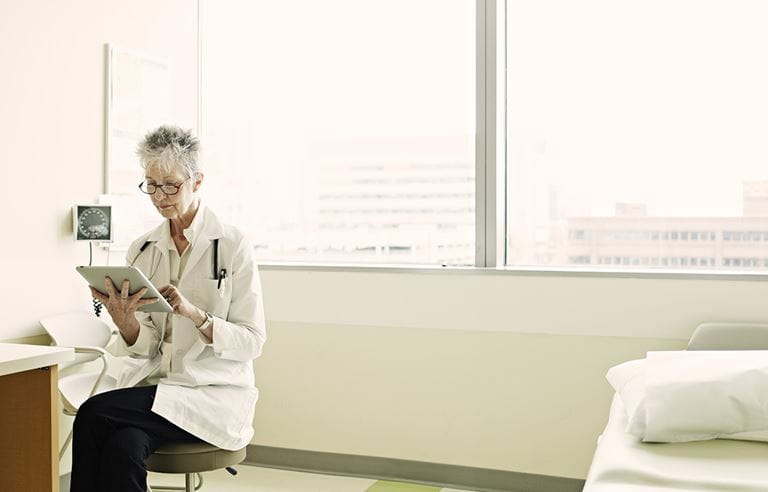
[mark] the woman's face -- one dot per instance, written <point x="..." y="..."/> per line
<point x="176" y="205"/>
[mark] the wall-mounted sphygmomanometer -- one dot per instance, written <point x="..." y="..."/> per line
<point x="92" y="222"/>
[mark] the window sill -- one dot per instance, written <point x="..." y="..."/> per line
<point x="515" y="271"/>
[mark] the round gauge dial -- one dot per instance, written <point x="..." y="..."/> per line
<point x="93" y="223"/>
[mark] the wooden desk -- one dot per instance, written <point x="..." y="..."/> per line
<point x="29" y="417"/>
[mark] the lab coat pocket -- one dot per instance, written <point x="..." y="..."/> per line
<point x="204" y="368"/>
<point x="211" y="295"/>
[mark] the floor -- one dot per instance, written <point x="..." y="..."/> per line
<point x="256" y="479"/>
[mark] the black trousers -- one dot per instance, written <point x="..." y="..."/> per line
<point x="113" y="433"/>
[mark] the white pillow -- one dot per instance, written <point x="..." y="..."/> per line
<point x="628" y="379"/>
<point x="687" y="396"/>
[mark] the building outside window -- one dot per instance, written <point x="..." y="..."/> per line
<point x="607" y="127"/>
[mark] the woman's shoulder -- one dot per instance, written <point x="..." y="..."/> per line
<point x="151" y="234"/>
<point x="139" y="241"/>
<point x="134" y="249"/>
<point x="233" y="241"/>
<point x="229" y="232"/>
<point x="235" y="237"/>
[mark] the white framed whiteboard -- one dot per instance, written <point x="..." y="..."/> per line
<point x="138" y="99"/>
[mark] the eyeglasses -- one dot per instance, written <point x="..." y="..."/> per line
<point x="167" y="189"/>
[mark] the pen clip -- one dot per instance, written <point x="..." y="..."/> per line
<point x="222" y="276"/>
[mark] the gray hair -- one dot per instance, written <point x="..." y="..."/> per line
<point x="169" y="146"/>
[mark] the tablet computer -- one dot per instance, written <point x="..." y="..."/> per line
<point x="95" y="277"/>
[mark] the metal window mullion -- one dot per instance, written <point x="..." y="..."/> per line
<point x="488" y="179"/>
<point x="107" y="115"/>
<point x="200" y="69"/>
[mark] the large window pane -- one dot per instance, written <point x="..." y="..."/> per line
<point x="342" y="130"/>
<point x="637" y="134"/>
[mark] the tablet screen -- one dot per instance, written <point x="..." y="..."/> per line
<point x="95" y="277"/>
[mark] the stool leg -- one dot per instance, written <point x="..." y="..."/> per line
<point x="189" y="481"/>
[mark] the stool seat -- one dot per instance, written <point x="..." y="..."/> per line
<point x="192" y="457"/>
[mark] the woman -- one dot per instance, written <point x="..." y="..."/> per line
<point x="189" y="374"/>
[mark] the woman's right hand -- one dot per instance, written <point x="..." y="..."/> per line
<point x="121" y="305"/>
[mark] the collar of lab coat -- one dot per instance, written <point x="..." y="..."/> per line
<point x="206" y="225"/>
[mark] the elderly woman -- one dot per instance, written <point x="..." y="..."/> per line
<point x="189" y="374"/>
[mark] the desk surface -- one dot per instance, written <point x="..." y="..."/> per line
<point x="16" y="357"/>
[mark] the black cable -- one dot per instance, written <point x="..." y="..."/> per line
<point x="157" y="263"/>
<point x="216" y="258"/>
<point x="97" y="305"/>
<point x="141" y="250"/>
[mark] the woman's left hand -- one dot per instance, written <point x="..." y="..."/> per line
<point x="179" y="303"/>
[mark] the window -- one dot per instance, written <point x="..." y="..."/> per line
<point x="342" y="130"/>
<point x="611" y="127"/>
<point x="328" y="138"/>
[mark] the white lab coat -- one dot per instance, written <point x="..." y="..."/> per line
<point x="210" y="390"/>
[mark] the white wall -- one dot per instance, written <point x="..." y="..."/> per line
<point x="52" y="132"/>
<point x="497" y="371"/>
<point x="487" y="370"/>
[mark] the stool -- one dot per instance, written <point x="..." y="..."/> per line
<point x="192" y="458"/>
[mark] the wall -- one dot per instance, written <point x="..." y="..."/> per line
<point x="52" y="128"/>
<point x="498" y="371"/>
<point x="52" y="98"/>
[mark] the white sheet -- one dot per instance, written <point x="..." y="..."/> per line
<point x="622" y="463"/>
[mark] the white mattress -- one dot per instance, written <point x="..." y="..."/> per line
<point x="623" y="463"/>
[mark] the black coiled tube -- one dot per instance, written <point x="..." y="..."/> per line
<point x="97" y="305"/>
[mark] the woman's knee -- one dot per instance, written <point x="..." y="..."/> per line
<point x="93" y="409"/>
<point x="128" y="443"/>
<point x="92" y="406"/>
